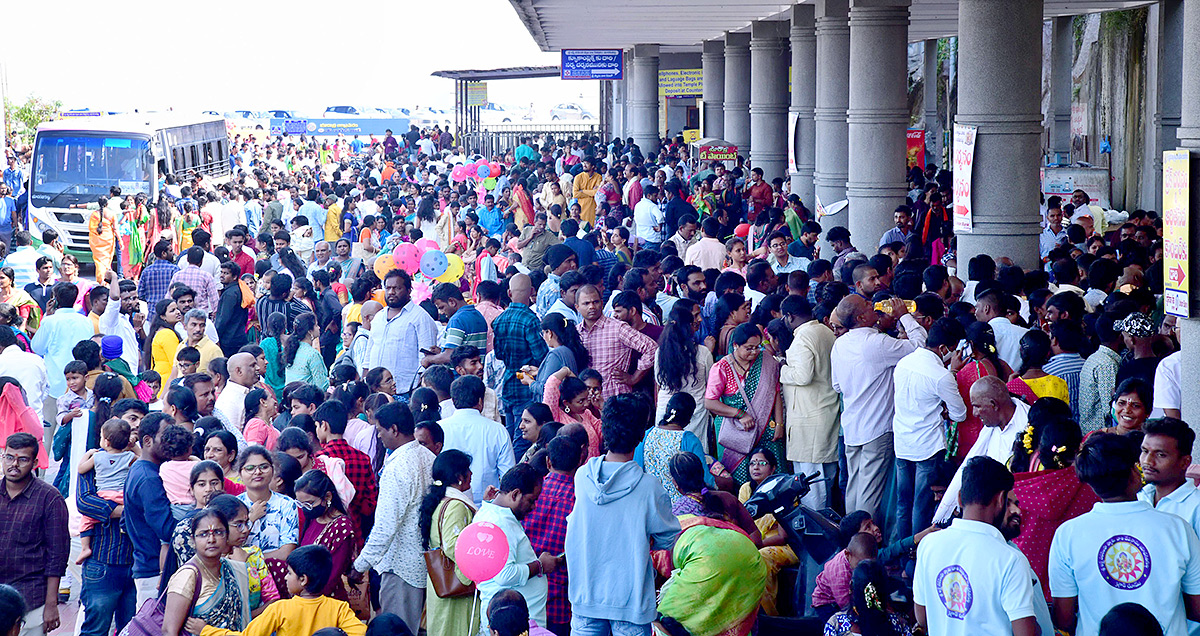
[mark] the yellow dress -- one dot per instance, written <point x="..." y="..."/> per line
<point x="298" y="616"/>
<point x="162" y="354"/>
<point x="776" y="557"/>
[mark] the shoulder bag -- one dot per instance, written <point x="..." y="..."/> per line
<point x="149" y="618"/>
<point x="446" y="583"/>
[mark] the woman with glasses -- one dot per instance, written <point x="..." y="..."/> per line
<point x="208" y="587"/>
<point x="327" y="524"/>
<point x="207" y="481"/>
<point x="743" y="396"/>
<point x="262" y="590"/>
<point x="274" y="517"/>
<point x="775" y="552"/>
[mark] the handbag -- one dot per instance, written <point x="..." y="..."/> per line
<point x="149" y="618"/>
<point x="446" y="583"/>
<point x="731" y="435"/>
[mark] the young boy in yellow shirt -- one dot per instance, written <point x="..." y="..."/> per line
<point x="303" y="614"/>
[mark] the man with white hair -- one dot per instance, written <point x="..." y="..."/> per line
<point x="1004" y="419"/>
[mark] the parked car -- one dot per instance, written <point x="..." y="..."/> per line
<point x="355" y="111"/>
<point x="570" y="110"/>
<point x="282" y="114"/>
<point x="493" y="113"/>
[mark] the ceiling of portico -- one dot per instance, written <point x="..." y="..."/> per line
<point x="681" y="25"/>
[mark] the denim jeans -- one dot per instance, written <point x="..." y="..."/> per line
<point x="913" y="480"/>
<point x="512" y="422"/>
<point x="584" y="626"/>
<point x="108" y="592"/>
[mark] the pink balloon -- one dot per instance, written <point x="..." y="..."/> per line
<point x="481" y="551"/>
<point x="407" y="257"/>
<point x="427" y="244"/>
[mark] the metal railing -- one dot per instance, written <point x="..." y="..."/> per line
<point x="497" y="139"/>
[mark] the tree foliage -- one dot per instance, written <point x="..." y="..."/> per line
<point x="23" y="118"/>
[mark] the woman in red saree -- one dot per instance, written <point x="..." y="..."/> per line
<point x="1051" y="496"/>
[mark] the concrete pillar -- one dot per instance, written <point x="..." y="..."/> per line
<point x="877" y="117"/>
<point x="1062" y="58"/>
<point x="737" y="91"/>
<point x="769" y="97"/>
<point x="1000" y="76"/>
<point x="644" y="98"/>
<point x="933" y="123"/>
<point x="1170" y="79"/>
<point x="618" y="119"/>
<point x="712" y="69"/>
<point x="1189" y="138"/>
<point x="804" y="100"/>
<point x="832" y="100"/>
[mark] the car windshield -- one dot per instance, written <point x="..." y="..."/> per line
<point x="74" y="168"/>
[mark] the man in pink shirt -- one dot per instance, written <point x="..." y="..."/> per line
<point x="708" y="252"/>
<point x="611" y="343"/>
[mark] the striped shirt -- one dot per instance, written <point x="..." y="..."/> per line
<point x="467" y="327"/>
<point x="1068" y="367"/>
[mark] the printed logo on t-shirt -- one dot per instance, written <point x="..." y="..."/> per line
<point x="1124" y="562"/>
<point x="954" y="589"/>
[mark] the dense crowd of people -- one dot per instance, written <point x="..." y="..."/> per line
<point x="285" y="395"/>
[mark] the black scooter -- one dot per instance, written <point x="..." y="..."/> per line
<point x="813" y="535"/>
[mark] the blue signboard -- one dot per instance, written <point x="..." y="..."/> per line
<point x="332" y="126"/>
<point x="592" y="64"/>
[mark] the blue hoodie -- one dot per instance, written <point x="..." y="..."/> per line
<point x="620" y="515"/>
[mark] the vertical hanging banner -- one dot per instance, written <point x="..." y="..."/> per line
<point x="914" y="142"/>
<point x="964" y="160"/>
<point x="793" y="132"/>
<point x="1176" y="176"/>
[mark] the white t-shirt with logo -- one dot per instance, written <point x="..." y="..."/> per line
<point x="1126" y="552"/>
<point x="971" y="581"/>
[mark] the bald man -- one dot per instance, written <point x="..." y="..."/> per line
<point x="518" y="342"/>
<point x="243" y="375"/>
<point x="1004" y="420"/>
<point x="863" y="363"/>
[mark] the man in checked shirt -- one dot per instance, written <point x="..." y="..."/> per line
<point x="34" y="542"/>
<point x="546" y="525"/>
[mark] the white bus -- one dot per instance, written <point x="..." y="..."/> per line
<point x="76" y="160"/>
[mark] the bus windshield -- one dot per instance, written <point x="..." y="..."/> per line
<point x="72" y="168"/>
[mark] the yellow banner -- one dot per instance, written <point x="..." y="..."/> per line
<point x="683" y="82"/>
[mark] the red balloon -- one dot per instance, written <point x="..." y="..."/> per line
<point x="495" y="168"/>
<point x="742" y="230"/>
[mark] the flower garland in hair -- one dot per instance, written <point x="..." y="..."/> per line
<point x="1027" y="438"/>
<point x="874" y="602"/>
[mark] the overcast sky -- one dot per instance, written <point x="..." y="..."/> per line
<point x="249" y="54"/>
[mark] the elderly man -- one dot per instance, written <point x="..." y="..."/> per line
<point x="1003" y="418"/>
<point x="864" y="361"/>
<point x="243" y="375"/>
<point x="812" y="404"/>
<point x="321" y="255"/>
<point x="194" y="323"/>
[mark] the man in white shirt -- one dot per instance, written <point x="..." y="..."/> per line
<point x="1003" y="419"/>
<point x="989" y="308"/>
<point x="863" y="363"/>
<point x="524" y="571"/>
<point x="394" y="546"/>
<point x="243" y="375"/>
<point x="28" y="369"/>
<point x="1168" y="377"/>
<point x="1166" y="454"/>
<point x="923" y="388"/>
<point x="486" y="441"/>
<point x="399" y="332"/>
<point x="968" y="579"/>
<point x="122" y="301"/>
<point x="1123" y="550"/>
<point x="648" y="219"/>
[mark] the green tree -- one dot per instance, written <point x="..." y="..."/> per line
<point x="24" y="118"/>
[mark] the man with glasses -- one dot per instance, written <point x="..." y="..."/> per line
<point x="34" y="542"/>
